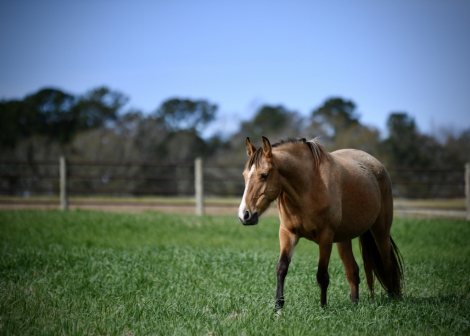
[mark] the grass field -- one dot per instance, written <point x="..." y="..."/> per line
<point x="96" y="273"/>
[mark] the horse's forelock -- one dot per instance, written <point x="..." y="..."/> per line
<point x="255" y="159"/>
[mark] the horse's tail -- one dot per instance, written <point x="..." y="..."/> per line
<point x="373" y="265"/>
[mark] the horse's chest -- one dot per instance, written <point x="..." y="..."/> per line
<point x="308" y="225"/>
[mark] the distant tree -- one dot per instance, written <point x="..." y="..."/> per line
<point x="407" y="146"/>
<point x="271" y="118"/>
<point x="457" y="147"/>
<point x="179" y="114"/>
<point x="337" y="124"/>
<point x="56" y="114"/>
<point x="401" y="124"/>
<point x="14" y="123"/>
<point x="51" y="109"/>
<point x="97" y="107"/>
<point x="360" y="137"/>
<point x="272" y="121"/>
<point x="46" y="112"/>
<point x="335" y="115"/>
<point x="216" y="143"/>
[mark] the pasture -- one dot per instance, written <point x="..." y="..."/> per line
<point x="84" y="272"/>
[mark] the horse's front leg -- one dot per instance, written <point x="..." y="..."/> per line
<point x="288" y="240"/>
<point x="323" y="279"/>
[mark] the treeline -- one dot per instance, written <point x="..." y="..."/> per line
<point x="95" y="126"/>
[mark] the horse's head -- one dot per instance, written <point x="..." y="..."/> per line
<point x="262" y="182"/>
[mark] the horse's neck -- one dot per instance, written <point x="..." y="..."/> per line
<point x="298" y="174"/>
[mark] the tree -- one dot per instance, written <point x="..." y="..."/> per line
<point x="407" y="146"/>
<point x="97" y="107"/>
<point x="402" y="140"/>
<point x="56" y="114"/>
<point x="457" y="148"/>
<point x="337" y="123"/>
<point x="50" y="112"/>
<point x="272" y="121"/>
<point x="178" y="114"/>
<point x="334" y="116"/>
<point x="401" y="124"/>
<point x="14" y="124"/>
<point x="45" y="113"/>
<point x="360" y="137"/>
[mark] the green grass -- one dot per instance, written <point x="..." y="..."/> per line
<point x="98" y="273"/>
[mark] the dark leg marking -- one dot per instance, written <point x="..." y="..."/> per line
<point x="323" y="280"/>
<point x="282" y="268"/>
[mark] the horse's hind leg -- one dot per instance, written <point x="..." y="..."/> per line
<point x="323" y="279"/>
<point x="350" y="265"/>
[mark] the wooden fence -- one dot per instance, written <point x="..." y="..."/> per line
<point x="25" y="178"/>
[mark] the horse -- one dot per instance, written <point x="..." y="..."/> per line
<point x="326" y="198"/>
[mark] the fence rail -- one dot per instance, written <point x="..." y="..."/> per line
<point x="136" y="177"/>
<point x="187" y="178"/>
<point x="162" y="178"/>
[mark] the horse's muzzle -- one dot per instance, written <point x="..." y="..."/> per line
<point x="248" y="218"/>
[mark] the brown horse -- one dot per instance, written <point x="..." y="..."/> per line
<point x="327" y="198"/>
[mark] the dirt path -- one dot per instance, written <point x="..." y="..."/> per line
<point x="189" y="209"/>
<point x="135" y="207"/>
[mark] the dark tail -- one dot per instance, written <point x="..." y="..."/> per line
<point x="373" y="265"/>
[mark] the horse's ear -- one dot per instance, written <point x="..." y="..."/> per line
<point x="250" y="149"/>
<point x="267" y="148"/>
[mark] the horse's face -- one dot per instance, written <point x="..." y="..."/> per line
<point x="262" y="183"/>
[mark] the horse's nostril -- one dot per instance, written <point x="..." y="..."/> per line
<point x="247" y="215"/>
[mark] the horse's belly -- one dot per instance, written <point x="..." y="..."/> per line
<point x="348" y="231"/>
<point x="359" y="212"/>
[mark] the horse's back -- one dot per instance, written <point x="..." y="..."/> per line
<point x="365" y="188"/>
<point x="358" y="160"/>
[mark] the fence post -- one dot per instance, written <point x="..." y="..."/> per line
<point x="199" y="186"/>
<point x="64" y="201"/>
<point x="467" y="189"/>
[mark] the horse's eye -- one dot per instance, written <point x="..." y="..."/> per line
<point x="264" y="176"/>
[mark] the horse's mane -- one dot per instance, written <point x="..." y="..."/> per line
<point x="318" y="151"/>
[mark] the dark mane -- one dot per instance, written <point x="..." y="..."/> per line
<point x="288" y="141"/>
<point x="318" y="151"/>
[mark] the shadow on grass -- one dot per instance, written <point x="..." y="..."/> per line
<point x="385" y="299"/>
<point x="436" y="300"/>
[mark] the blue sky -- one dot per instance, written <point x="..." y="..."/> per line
<point x="386" y="56"/>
